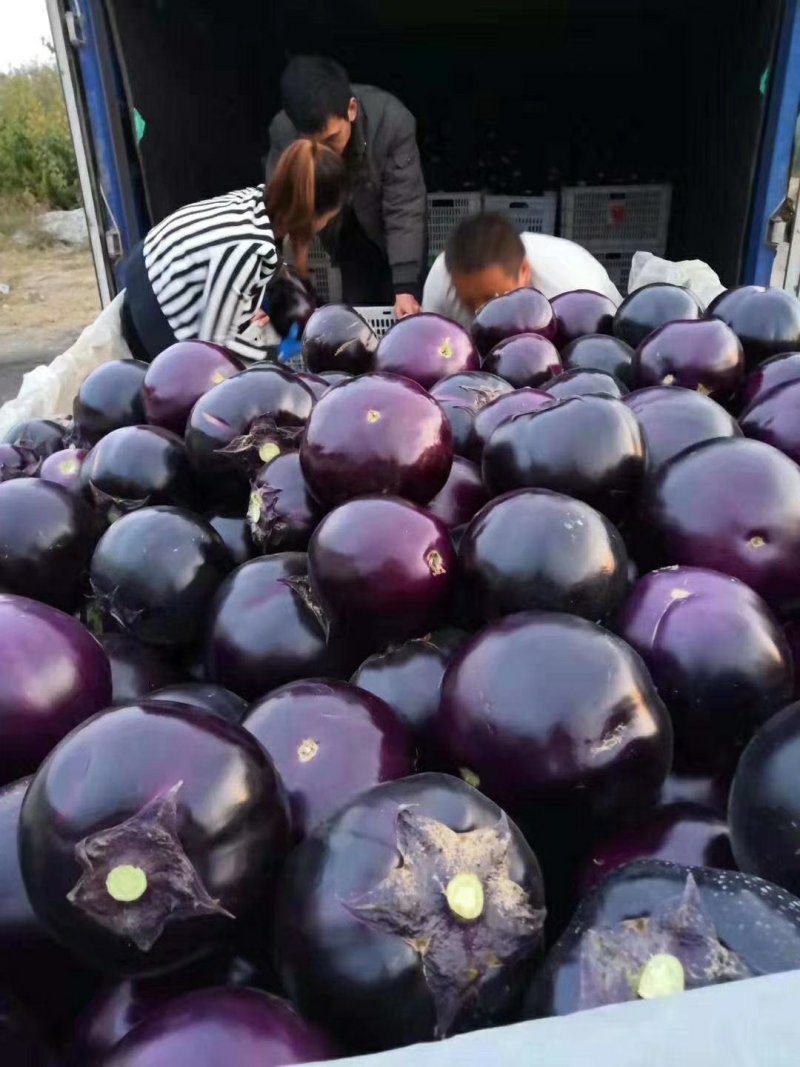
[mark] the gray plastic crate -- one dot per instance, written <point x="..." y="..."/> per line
<point x="617" y="264"/>
<point x="530" y="214"/>
<point x="380" y="319"/>
<point x="623" y="217"/>
<point x="446" y="210"/>
<point x="324" y="276"/>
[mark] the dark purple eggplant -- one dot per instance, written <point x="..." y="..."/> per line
<point x="110" y="397"/>
<point x="538" y="550"/>
<point x="240" y="1027"/>
<point x="584" y="383"/>
<point x="775" y="371"/>
<point x="461" y="416"/>
<point x="589" y="447"/>
<point x="704" y="355"/>
<point x="500" y="410"/>
<point x="265" y="629"/>
<point x="717" y="655"/>
<point x="292" y="302"/>
<point x="233" y="527"/>
<point x="311" y="729"/>
<point x="42" y="436"/>
<point x="377" y="434"/>
<point x="46" y="542"/>
<point x="16" y="462"/>
<point x="461" y="496"/>
<point x="336" y="338"/>
<point x="478" y="388"/>
<point x="527" y="359"/>
<point x="521" y="311"/>
<point x="775" y="419"/>
<point x="708" y="790"/>
<point x="21" y="1042"/>
<point x="731" y="505"/>
<point x="179" y="376"/>
<point x="419" y="901"/>
<point x="283" y="514"/>
<point x="582" y="312"/>
<point x="646" y="309"/>
<point x="206" y="697"/>
<point x="150" y="835"/>
<point x="674" y="419"/>
<point x="766" y="321"/>
<point x="136" y="669"/>
<point x="64" y="468"/>
<point x="155" y="572"/>
<point x="653" y="929"/>
<point x="598" y="351"/>
<point x="382" y="568"/>
<point x="317" y="384"/>
<point x="426" y="348"/>
<point x="333" y="377"/>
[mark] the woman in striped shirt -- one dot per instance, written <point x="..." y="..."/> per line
<point x="202" y="272"/>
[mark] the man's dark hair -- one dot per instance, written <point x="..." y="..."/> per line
<point x="482" y="241"/>
<point x="313" y="90"/>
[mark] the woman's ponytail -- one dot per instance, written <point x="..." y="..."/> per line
<point x="308" y="182"/>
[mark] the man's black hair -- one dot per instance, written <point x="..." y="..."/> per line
<point x="482" y="241"/>
<point x="313" y="90"/>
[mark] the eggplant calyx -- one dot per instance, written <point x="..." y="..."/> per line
<point x="108" y="605"/>
<point x="137" y="878"/>
<point x="265" y="439"/>
<point x="262" y="515"/>
<point x="300" y="585"/>
<point x="452" y="899"/>
<point x="114" y="507"/>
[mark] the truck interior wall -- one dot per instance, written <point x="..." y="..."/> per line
<point x="511" y="95"/>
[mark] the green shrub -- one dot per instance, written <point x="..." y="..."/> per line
<point x="37" y="160"/>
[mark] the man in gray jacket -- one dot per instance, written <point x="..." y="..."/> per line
<point x="379" y="239"/>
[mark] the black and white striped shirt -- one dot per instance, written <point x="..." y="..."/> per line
<point x="209" y="264"/>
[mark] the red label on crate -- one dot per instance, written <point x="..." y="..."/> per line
<point x="616" y="213"/>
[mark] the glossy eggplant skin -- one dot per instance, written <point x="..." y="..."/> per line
<point x="21" y="1044"/>
<point x="283" y="514"/>
<point x="426" y="348"/>
<point x="232" y="526"/>
<point x="775" y="371"/>
<point x="527" y="359"/>
<point x="204" y="697"/>
<point x="731" y="505"/>
<point x="179" y="376"/>
<point x="137" y="466"/>
<point x="64" y="468"/>
<point x="717" y="655"/>
<point x="364" y="984"/>
<point x="584" y="383"/>
<point x="581" y="313"/>
<point x="461" y="496"/>
<point x="310" y="729"/>
<point x="505" y="407"/>
<point x="233" y="826"/>
<point x="766" y="321"/>
<point x="775" y="419"/>
<point x="646" y="309"/>
<point x="599" y="351"/>
<point x="336" y="338"/>
<point x="478" y="388"/>
<point x="110" y="397"/>
<point x="757" y="921"/>
<point x="46" y="542"/>
<point x="521" y="311"/>
<point x="704" y="355"/>
<point x="589" y="447"/>
<point x="136" y="669"/>
<point x="534" y="549"/>
<point x="764" y="803"/>
<point x="42" y="436"/>
<point x="461" y="416"/>
<point x="292" y="301"/>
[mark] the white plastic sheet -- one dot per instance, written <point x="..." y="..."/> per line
<point x="48" y="391"/>
<point x="696" y="275"/>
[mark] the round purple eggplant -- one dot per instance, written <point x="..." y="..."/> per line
<point x="283" y="514"/>
<point x="461" y="416"/>
<point x="548" y="709"/>
<point x="598" y="351"/>
<point x="766" y="321"/>
<point x="764" y="805"/>
<point x="477" y="388"/>
<point x="206" y="697"/>
<point x="109" y="398"/>
<point x="654" y="929"/>
<point x="674" y="419"/>
<point x="731" y="505"/>
<point x="318" y="385"/>
<point x="179" y="376"/>
<point x="377" y="434"/>
<point x="775" y="371"/>
<point x="775" y="419"/>
<point x="336" y="338"/>
<point x="534" y="549"/>
<point x="704" y="355"/>
<point x="679" y="833"/>
<point x="140" y="863"/>
<point x="584" y="383"/>
<point x="64" y="468"/>
<point x="486" y="421"/>
<point x="136" y="669"/>
<point x="46" y="542"/>
<point x="334" y="377"/>
<point x="717" y="655"/>
<point x="426" y="348"/>
<point x="55" y="675"/>
<point x="521" y="311"/>
<point x="210" y="1027"/>
<point x="21" y="1042"/>
<point x="42" y="436"/>
<point x="421" y="900"/>
<point x="265" y="629"/>
<point x="589" y="447"/>
<point x="16" y="462"/>
<point x="461" y="496"/>
<point x="382" y="568"/>
<point x="646" y="309"/>
<point x="292" y="302"/>
<point x="311" y="729"/>
<point x="155" y="572"/>
<point x="233" y="527"/>
<point x="527" y="359"/>
<point x="582" y="312"/>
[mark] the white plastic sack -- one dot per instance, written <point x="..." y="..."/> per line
<point x="692" y="273"/>
<point x="48" y="391"/>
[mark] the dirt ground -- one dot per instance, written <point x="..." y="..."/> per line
<point x="53" y="297"/>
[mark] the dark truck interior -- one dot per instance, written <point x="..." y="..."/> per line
<point x="511" y="97"/>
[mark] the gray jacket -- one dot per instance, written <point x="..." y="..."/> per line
<point x="387" y="186"/>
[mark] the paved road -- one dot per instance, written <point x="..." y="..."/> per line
<point x="18" y="355"/>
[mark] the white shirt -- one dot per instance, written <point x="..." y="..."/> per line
<point x="557" y="266"/>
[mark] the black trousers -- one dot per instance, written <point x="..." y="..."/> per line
<point x="144" y="327"/>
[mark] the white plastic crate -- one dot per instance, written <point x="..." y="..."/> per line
<point x="380" y="319"/>
<point x="445" y="211"/>
<point x="618" y="265"/>
<point x="325" y="278"/>
<point x="623" y="217"/>
<point x="530" y="214"/>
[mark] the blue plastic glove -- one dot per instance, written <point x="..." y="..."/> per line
<point x="290" y="347"/>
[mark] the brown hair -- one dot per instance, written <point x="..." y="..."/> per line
<point x="482" y="241"/>
<point x="308" y="182"/>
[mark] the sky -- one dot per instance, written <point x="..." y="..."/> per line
<point x="23" y="23"/>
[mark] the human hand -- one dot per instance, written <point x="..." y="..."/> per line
<point x="261" y="318"/>
<point x="405" y="304"/>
